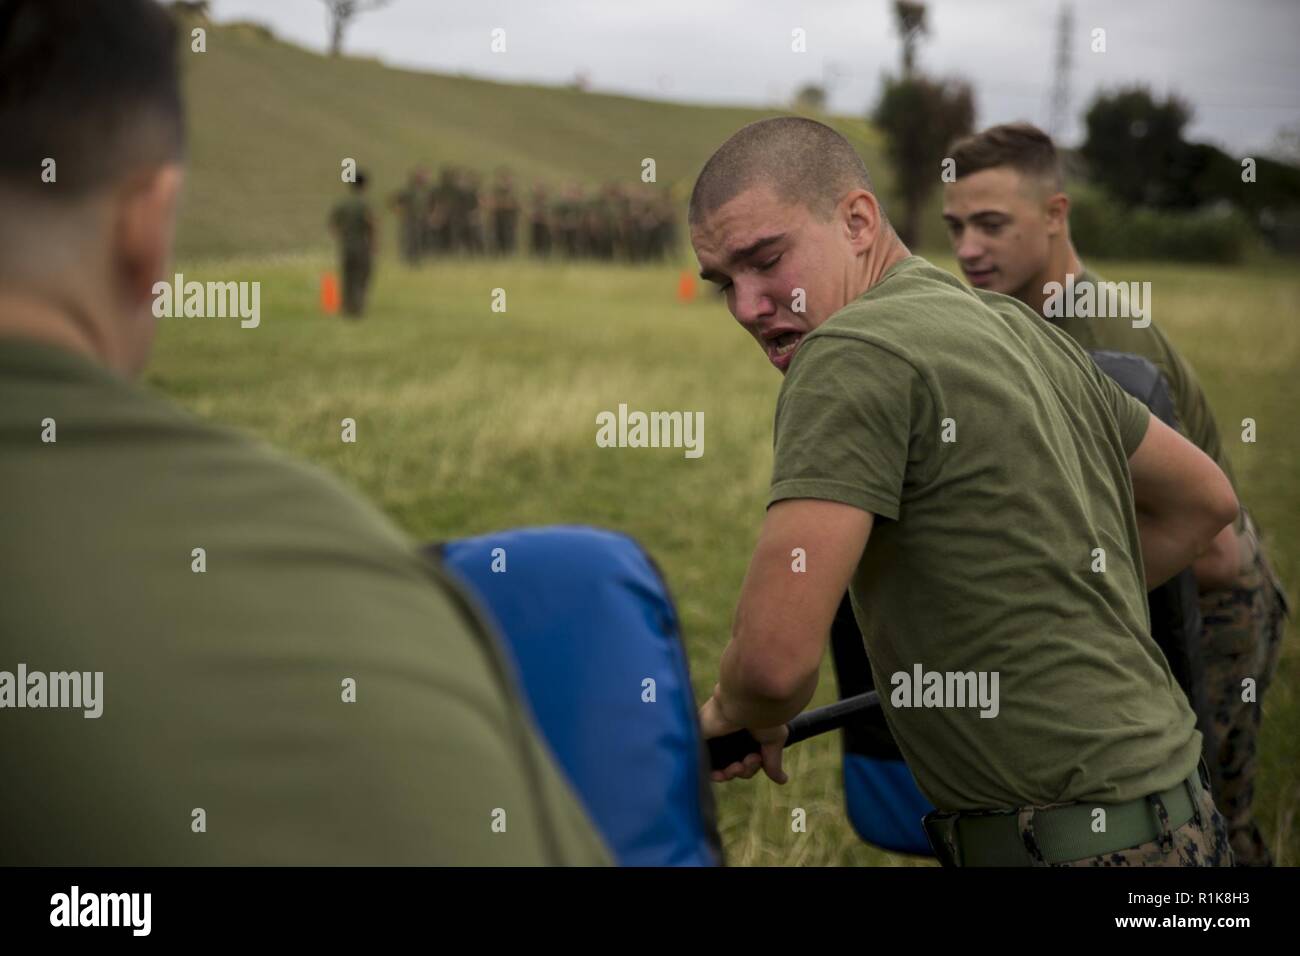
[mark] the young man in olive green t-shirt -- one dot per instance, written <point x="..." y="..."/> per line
<point x="208" y="653"/>
<point x="965" y="471"/>
<point x="1008" y="219"/>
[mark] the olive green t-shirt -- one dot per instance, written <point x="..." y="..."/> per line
<point x="995" y="455"/>
<point x="225" y="735"/>
<point x="1118" y="334"/>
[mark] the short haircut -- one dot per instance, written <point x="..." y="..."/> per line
<point x="802" y="160"/>
<point x="1020" y="146"/>
<point x="91" y="84"/>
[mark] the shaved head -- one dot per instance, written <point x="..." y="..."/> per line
<point x="801" y="160"/>
<point x="784" y="221"/>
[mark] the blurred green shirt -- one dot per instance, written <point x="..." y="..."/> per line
<point x="223" y="690"/>
<point x="981" y="557"/>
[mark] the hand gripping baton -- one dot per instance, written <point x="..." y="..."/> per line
<point x="734" y="747"/>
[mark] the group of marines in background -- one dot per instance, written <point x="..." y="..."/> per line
<point x="458" y="215"/>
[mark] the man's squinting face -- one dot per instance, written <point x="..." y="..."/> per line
<point x="759" y="249"/>
<point x="999" y="226"/>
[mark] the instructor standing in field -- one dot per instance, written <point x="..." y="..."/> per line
<point x="959" y="465"/>
<point x="1008" y="219"/>
<point x="353" y="225"/>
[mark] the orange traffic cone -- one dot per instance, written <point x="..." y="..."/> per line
<point x="329" y="293"/>
<point x="686" y="287"/>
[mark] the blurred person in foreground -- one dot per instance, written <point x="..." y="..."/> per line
<point x="303" y="690"/>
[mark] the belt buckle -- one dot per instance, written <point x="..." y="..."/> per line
<point x="941" y="830"/>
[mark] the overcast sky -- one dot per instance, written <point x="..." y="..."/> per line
<point x="1235" y="61"/>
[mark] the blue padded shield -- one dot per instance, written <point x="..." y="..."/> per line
<point x="588" y="620"/>
<point x="884" y="804"/>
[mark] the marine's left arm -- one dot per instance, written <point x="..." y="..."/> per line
<point x="1219" y="566"/>
<point x="1182" y="500"/>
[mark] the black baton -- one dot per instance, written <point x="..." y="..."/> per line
<point x="735" y="747"/>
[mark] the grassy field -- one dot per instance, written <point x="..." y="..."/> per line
<point x="470" y="420"/>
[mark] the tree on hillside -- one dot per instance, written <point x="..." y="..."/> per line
<point x="341" y="13"/>
<point x="910" y="18"/>
<point x="919" y="117"/>
<point x="1135" y="148"/>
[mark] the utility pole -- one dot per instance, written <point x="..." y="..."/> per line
<point x="1059" y="121"/>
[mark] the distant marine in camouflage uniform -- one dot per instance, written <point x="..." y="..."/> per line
<point x="354" y="227"/>
<point x="569" y="221"/>
<point x="504" y="211"/>
<point x="471" y="211"/>
<point x="539" y="221"/>
<point x="666" y="235"/>
<point x="632" y="226"/>
<point x="444" y="202"/>
<point x="411" y="204"/>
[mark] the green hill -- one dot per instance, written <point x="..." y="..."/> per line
<point x="270" y="124"/>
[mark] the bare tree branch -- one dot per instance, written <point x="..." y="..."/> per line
<point x="341" y="13"/>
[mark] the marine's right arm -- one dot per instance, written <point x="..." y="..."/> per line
<point x="1182" y="499"/>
